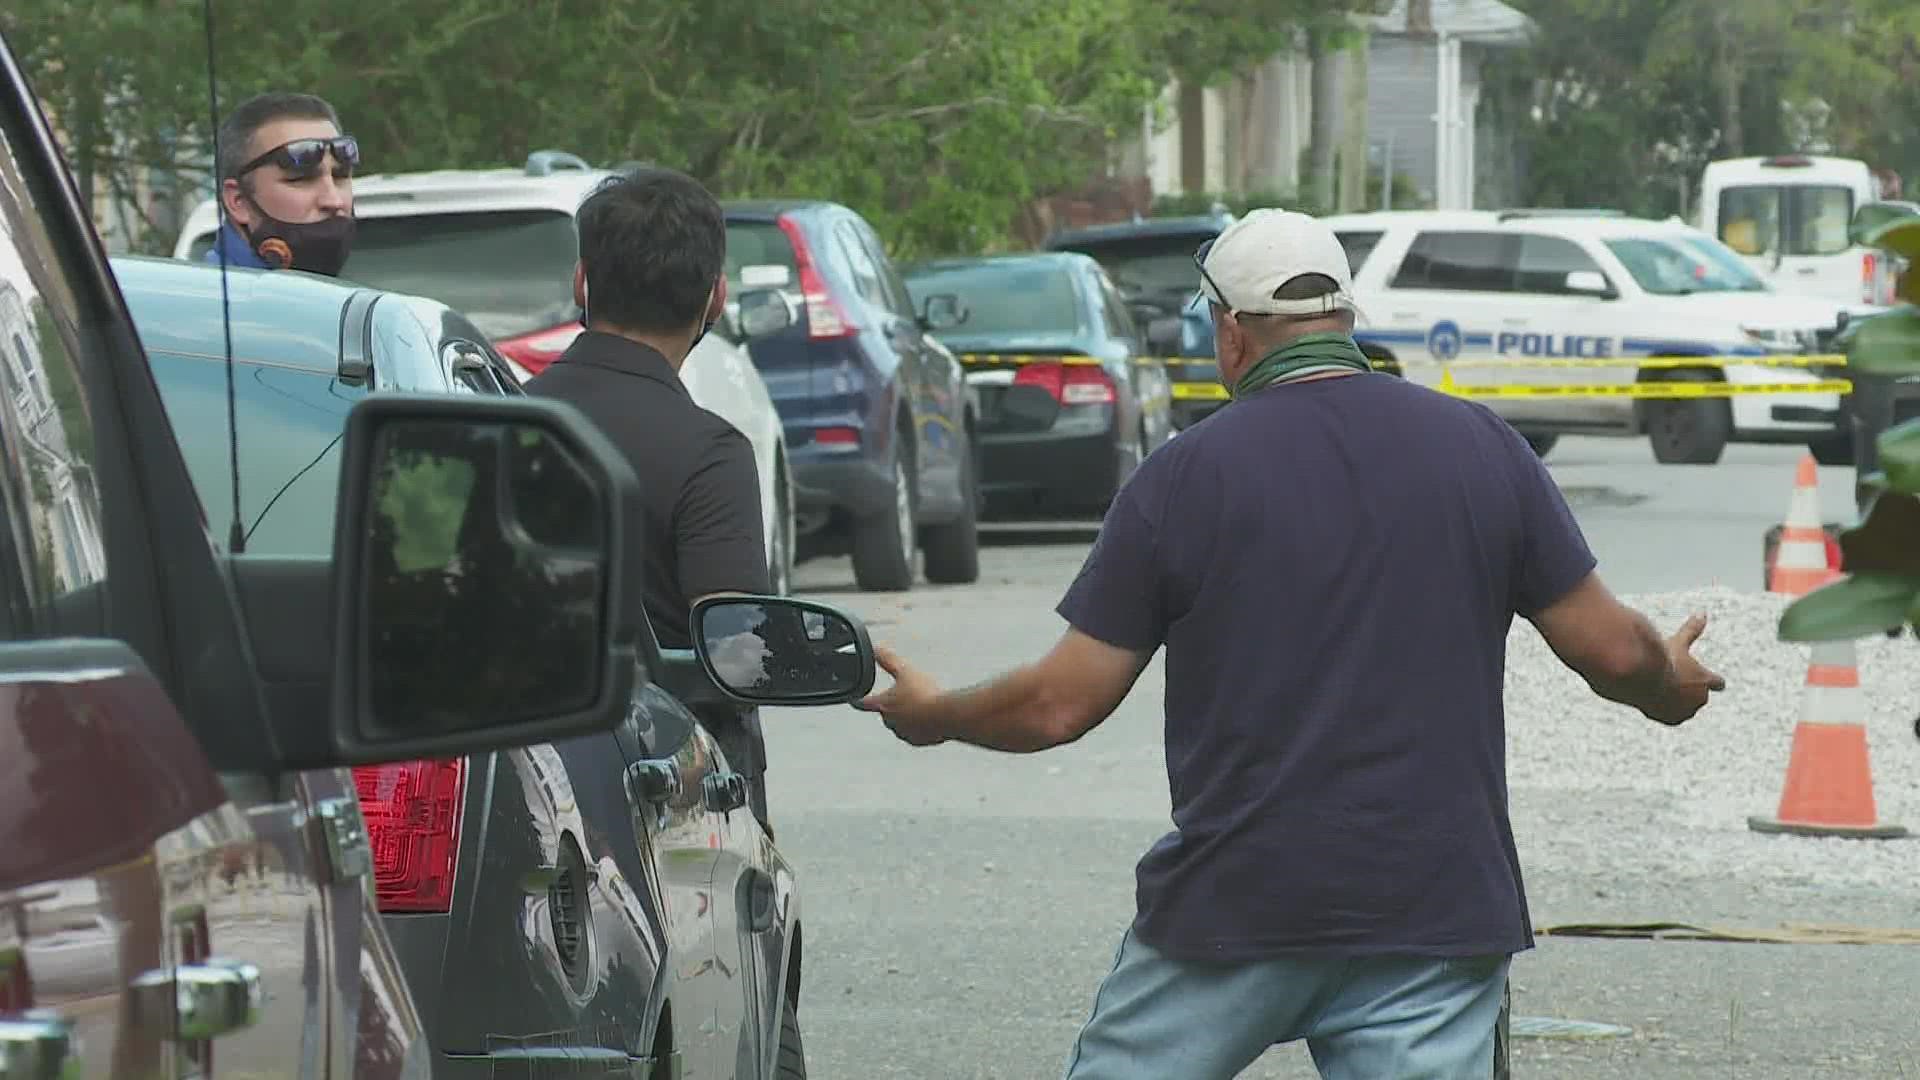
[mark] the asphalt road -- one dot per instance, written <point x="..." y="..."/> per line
<point x="961" y="906"/>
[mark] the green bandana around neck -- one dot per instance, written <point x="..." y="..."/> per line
<point x="1308" y="354"/>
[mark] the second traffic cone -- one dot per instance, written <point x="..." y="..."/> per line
<point x="1801" y="564"/>
<point x="1829" y="788"/>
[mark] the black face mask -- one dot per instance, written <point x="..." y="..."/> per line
<point x="317" y="247"/>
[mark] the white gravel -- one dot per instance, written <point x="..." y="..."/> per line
<point x="1598" y="787"/>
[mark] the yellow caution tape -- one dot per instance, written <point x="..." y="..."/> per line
<point x="1662" y="362"/>
<point x="1199" y="391"/>
<point x="1653" y="391"/>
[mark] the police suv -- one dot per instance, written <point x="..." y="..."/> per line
<point x="1443" y="292"/>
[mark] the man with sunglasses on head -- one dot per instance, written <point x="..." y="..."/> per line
<point x="1333" y="562"/>
<point x="286" y="184"/>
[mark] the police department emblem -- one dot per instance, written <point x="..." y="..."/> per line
<point x="1443" y="341"/>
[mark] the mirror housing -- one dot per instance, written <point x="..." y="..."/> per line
<point x="1590" y="283"/>
<point x="775" y="650"/>
<point x="943" y="311"/>
<point x="763" y="312"/>
<point x="484" y="590"/>
<point x="1164" y="335"/>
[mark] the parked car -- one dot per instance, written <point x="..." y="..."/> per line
<point x="1531" y="284"/>
<point x="499" y="245"/>
<point x="1069" y="402"/>
<point x="878" y="415"/>
<point x="590" y="900"/>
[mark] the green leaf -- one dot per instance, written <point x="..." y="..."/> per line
<point x="1887" y="344"/>
<point x="1900" y="457"/>
<point x="1888" y="542"/>
<point x="1873" y="217"/>
<point x="1900" y="236"/>
<point x="1853" y="607"/>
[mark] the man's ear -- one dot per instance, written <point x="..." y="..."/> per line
<point x="235" y="202"/>
<point x="717" y="306"/>
<point x="580" y="285"/>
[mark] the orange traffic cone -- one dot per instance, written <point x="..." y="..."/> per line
<point x="1801" y="564"/>
<point x="1829" y="789"/>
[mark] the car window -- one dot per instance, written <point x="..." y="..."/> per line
<point x="1006" y="297"/>
<point x="1149" y="265"/>
<point x="1119" y="320"/>
<point x="1469" y="261"/>
<point x="866" y="273"/>
<point x="1795" y="219"/>
<point x="1358" y="246"/>
<point x="510" y="271"/>
<point x="290" y="424"/>
<point x="891" y="285"/>
<point x="759" y="243"/>
<point x="53" y="541"/>
<point x="1545" y="261"/>
<point x="1675" y="268"/>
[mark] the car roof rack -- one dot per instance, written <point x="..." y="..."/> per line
<point x="547" y="162"/>
<point x="1568" y="211"/>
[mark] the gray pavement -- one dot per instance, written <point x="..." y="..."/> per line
<point x="961" y="906"/>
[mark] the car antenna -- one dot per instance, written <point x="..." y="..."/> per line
<point x="237" y="534"/>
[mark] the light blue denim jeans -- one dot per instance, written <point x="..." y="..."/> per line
<point x="1364" y="1018"/>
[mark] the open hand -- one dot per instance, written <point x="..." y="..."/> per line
<point x="907" y="706"/>
<point x="1693" y="683"/>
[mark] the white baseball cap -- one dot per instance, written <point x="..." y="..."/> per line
<point x="1245" y="265"/>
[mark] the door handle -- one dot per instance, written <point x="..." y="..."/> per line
<point x="38" y="1045"/>
<point x="196" y="1002"/>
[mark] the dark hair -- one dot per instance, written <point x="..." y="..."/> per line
<point x="240" y="126"/>
<point x="653" y="242"/>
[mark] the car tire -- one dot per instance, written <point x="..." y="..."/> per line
<point x="792" y="1062"/>
<point x="883" y="543"/>
<point x="1689" y="432"/>
<point x="1542" y="444"/>
<point x="780" y="568"/>
<point x="952" y="550"/>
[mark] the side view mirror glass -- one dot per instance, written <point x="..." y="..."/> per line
<point x="763" y="312"/>
<point x="779" y="651"/>
<point x="1589" y="283"/>
<point x="482" y="585"/>
<point x="943" y="311"/>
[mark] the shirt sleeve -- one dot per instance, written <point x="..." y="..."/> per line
<point x="718" y="535"/>
<point x="1117" y="596"/>
<point x="1554" y="555"/>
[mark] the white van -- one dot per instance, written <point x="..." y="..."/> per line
<point x="1788" y="216"/>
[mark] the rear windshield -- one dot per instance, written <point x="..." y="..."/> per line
<point x="511" y="272"/>
<point x="1005" y="299"/>
<point x="758" y="243"/>
<point x="1162" y="264"/>
<point x="1786" y="219"/>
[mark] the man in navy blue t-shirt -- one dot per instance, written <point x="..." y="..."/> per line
<point x="1333" y="562"/>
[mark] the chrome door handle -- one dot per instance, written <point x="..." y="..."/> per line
<point x="38" y="1046"/>
<point x="205" y="1000"/>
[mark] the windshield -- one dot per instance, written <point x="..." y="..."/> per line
<point x="1676" y="268"/>
<point x="510" y="271"/>
<point x="1793" y="219"/>
<point x="1005" y="298"/>
<point x="1156" y="265"/>
<point x="1726" y="259"/>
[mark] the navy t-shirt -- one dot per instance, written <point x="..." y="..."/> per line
<point x="1333" y="566"/>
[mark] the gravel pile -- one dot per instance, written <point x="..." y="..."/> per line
<point x="1597" y="787"/>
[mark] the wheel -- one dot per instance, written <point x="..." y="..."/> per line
<point x="1503" y="1036"/>
<point x="1542" y="444"/>
<point x="792" y="1061"/>
<point x="883" y="547"/>
<point x="1688" y="432"/>
<point x="780" y="570"/>
<point x="953" y="549"/>
<point x="1832" y="449"/>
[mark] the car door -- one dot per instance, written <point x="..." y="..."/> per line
<point x="670" y="766"/>
<point x="1557" y="322"/>
<point x="216" y="947"/>
<point x="1448" y="300"/>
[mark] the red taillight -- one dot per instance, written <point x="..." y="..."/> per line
<point x="1789" y="161"/>
<point x="412" y="811"/>
<point x="825" y="317"/>
<point x="1869" y="278"/>
<point x="837" y="436"/>
<point x="1069" y="384"/>
<point x="542" y="347"/>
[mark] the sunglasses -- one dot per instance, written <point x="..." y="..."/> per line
<point x="303" y="158"/>
<point x="1200" y="264"/>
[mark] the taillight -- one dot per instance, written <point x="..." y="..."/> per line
<point x="1069" y="384"/>
<point x="412" y="810"/>
<point x="825" y="317"/>
<point x="542" y="347"/>
<point x="1869" y="280"/>
<point x="837" y="436"/>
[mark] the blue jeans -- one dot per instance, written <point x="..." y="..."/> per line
<point x="1364" y="1018"/>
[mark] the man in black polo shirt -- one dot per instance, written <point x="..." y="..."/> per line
<point x="650" y="283"/>
<point x="1333" y="562"/>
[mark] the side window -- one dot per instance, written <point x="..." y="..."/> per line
<point x="1119" y="320"/>
<point x="1358" y="246"/>
<point x="51" y="532"/>
<point x="1545" y="262"/>
<point x="895" y="289"/>
<point x="866" y="273"/>
<point x="468" y="368"/>
<point x="404" y="354"/>
<point x="1464" y="261"/>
